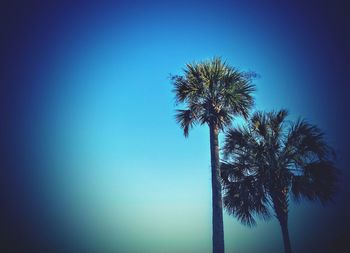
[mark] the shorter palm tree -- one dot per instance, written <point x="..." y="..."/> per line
<point x="269" y="160"/>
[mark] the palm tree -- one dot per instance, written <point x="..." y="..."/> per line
<point x="269" y="160"/>
<point x="212" y="93"/>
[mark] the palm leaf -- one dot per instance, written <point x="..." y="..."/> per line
<point x="186" y="119"/>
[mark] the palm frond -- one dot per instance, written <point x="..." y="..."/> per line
<point x="276" y="121"/>
<point x="234" y="139"/>
<point x="319" y="181"/>
<point x="305" y="141"/>
<point x="259" y="124"/>
<point x="230" y="173"/>
<point x="246" y="199"/>
<point x="185" y="90"/>
<point x="238" y="94"/>
<point x="186" y="119"/>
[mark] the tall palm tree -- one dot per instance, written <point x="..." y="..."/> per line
<point x="212" y="93"/>
<point x="269" y="160"/>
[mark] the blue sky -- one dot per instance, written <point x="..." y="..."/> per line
<point x="111" y="167"/>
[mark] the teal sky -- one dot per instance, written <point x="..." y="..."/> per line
<point x="113" y="171"/>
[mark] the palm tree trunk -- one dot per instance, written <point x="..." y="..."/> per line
<point x="280" y="204"/>
<point x="284" y="227"/>
<point x="218" y="226"/>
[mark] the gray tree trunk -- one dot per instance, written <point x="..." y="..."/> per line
<point x="218" y="226"/>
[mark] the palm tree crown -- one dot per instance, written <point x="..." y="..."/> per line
<point x="212" y="93"/>
<point x="270" y="159"/>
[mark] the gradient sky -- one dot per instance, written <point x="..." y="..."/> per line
<point x="93" y="158"/>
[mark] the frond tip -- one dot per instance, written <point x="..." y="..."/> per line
<point x="186" y="120"/>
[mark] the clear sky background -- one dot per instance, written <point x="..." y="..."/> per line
<point x="94" y="160"/>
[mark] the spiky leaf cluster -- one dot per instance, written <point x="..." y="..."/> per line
<point x="270" y="159"/>
<point x="212" y="92"/>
